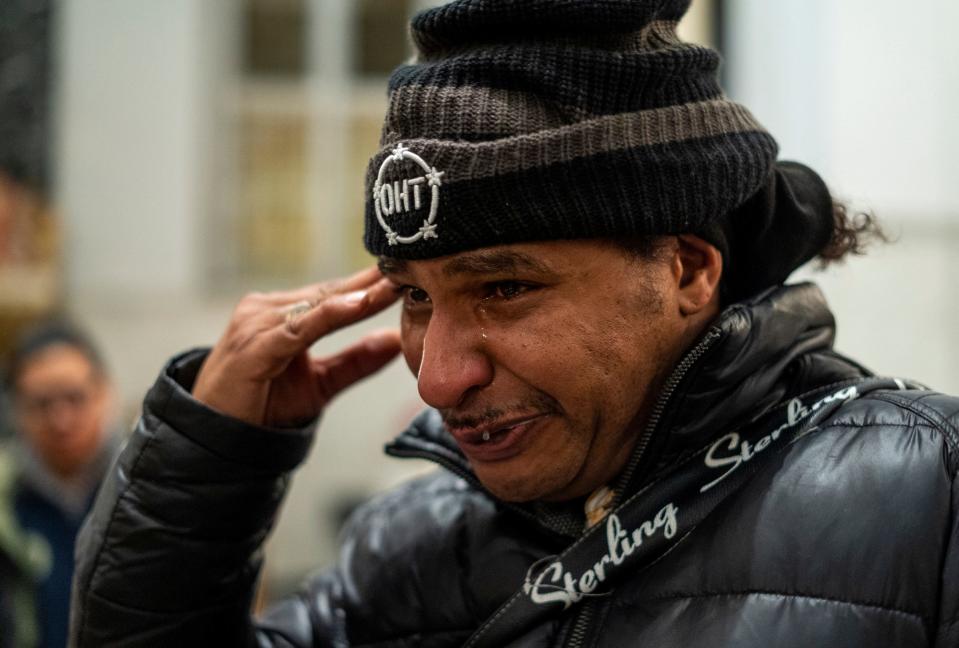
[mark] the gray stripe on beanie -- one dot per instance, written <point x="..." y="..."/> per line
<point x="462" y="161"/>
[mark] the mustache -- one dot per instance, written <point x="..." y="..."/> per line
<point x="538" y="403"/>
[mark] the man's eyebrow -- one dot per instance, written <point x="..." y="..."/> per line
<point x="478" y="263"/>
<point x="492" y="262"/>
<point x="390" y="266"/>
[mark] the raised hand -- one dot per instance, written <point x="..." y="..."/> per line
<point x="260" y="370"/>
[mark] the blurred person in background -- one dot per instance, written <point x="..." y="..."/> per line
<point x="49" y="472"/>
<point x="646" y="437"/>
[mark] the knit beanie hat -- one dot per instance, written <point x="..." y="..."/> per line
<point x="531" y="120"/>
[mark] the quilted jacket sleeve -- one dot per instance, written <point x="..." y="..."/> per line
<point x="171" y="552"/>
<point x="948" y="632"/>
<point x="947" y="414"/>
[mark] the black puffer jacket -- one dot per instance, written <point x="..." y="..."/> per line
<point x="846" y="535"/>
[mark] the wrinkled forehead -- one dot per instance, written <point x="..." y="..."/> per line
<point x="484" y="261"/>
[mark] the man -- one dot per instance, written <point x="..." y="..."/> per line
<point x="48" y="474"/>
<point x="646" y="439"/>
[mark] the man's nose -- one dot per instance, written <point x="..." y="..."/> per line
<point x="453" y="364"/>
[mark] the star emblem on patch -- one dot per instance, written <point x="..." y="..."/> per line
<point x="435" y="178"/>
<point x="399" y="152"/>
<point x="429" y="230"/>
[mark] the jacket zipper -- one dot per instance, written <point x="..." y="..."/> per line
<point x="669" y="388"/>
<point x="577" y="637"/>
<point x="584" y="618"/>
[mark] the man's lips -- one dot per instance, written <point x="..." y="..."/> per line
<point x="497" y="440"/>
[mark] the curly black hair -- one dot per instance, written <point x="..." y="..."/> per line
<point x="852" y="233"/>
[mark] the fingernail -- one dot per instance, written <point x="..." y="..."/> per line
<point x="354" y="298"/>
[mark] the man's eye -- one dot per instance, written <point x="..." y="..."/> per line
<point x="414" y="296"/>
<point x="418" y="295"/>
<point x="507" y="289"/>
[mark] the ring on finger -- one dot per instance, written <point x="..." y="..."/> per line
<point x="293" y="311"/>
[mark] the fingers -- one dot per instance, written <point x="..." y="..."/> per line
<point x="297" y="326"/>
<point x="335" y="373"/>
<point x="269" y="329"/>
<point x="260" y="366"/>
<point x="315" y="293"/>
<point x="339" y="311"/>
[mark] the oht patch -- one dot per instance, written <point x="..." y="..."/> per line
<point x="402" y="196"/>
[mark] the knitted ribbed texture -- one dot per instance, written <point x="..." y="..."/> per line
<point x="524" y="120"/>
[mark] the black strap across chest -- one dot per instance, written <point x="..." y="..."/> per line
<point x="653" y="520"/>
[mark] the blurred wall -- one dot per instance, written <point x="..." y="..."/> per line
<point x="134" y="148"/>
<point x="866" y="92"/>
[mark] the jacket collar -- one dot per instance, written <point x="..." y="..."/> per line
<point x="751" y="366"/>
<point x="745" y="363"/>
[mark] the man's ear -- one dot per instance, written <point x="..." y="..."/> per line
<point x="697" y="267"/>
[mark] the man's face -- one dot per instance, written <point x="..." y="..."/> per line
<point x="62" y="406"/>
<point x="543" y="358"/>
